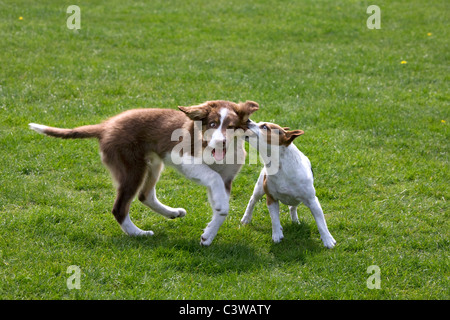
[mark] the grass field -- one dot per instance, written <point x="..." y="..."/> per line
<point x="374" y="105"/>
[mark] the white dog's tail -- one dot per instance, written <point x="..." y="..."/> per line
<point x="89" y="131"/>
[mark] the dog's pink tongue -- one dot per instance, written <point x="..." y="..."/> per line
<point x="218" y="154"/>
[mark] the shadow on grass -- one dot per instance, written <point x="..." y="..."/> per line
<point x="187" y="255"/>
<point x="179" y="249"/>
<point x="298" y="242"/>
<point x="184" y="253"/>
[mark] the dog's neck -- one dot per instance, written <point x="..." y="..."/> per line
<point x="276" y="155"/>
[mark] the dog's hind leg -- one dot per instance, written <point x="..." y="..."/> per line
<point x="258" y="192"/>
<point x="128" y="172"/>
<point x="147" y="195"/>
<point x="293" y="212"/>
<point x="314" y="205"/>
<point x="125" y="195"/>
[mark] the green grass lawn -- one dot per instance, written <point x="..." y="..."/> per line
<point x="376" y="131"/>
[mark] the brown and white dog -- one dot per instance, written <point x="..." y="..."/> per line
<point x="290" y="182"/>
<point x="202" y="142"/>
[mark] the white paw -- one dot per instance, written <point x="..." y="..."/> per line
<point x="130" y="229"/>
<point x="140" y="233"/>
<point x="329" y="241"/>
<point x="295" y="220"/>
<point x="206" y="240"/>
<point x="177" y="213"/>
<point x="277" y="237"/>
<point x="145" y="233"/>
<point x="246" y="219"/>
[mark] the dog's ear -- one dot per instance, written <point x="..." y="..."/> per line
<point x="286" y="128"/>
<point x="291" y="135"/>
<point x="245" y="109"/>
<point x="198" y="112"/>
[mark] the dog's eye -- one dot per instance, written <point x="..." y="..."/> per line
<point x="212" y="124"/>
<point x="264" y="127"/>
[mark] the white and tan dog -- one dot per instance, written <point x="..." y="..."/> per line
<point x="291" y="183"/>
<point x="135" y="144"/>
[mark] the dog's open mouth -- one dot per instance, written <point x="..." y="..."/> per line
<point x="219" y="153"/>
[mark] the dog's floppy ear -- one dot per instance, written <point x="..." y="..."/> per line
<point x="198" y="112"/>
<point x="245" y="109"/>
<point x="286" y="128"/>
<point x="291" y="135"/>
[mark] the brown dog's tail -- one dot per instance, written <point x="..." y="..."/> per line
<point x="89" y="131"/>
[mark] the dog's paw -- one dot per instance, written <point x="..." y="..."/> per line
<point x="146" y="233"/>
<point x="277" y="237"/>
<point x="205" y="240"/>
<point x="140" y="233"/>
<point x="295" y="221"/>
<point x="177" y="213"/>
<point x="181" y="212"/>
<point x="329" y="241"/>
<point x="130" y="229"/>
<point x="246" y="219"/>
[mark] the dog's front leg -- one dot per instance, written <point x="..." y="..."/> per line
<point x="258" y="193"/>
<point x="219" y="200"/>
<point x="217" y="194"/>
<point x="277" y="229"/>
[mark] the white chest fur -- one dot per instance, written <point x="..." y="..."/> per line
<point x="292" y="184"/>
<point x="294" y="179"/>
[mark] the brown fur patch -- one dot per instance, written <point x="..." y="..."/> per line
<point x="269" y="198"/>
<point x="126" y="141"/>
<point x="228" y="185"/>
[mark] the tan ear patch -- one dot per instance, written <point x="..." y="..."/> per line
<point x="289" y="136"/>
<point x="245" y="109"/>
<point x="198" y="112"/>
